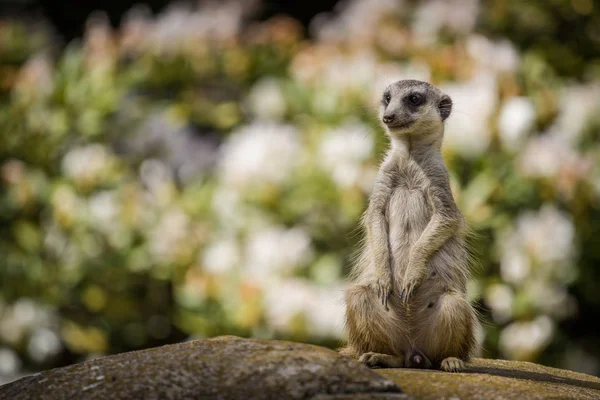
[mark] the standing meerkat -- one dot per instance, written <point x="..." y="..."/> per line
<point x="407" y="304"/>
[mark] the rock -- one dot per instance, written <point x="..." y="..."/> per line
<point x="228" y="367"/>
<point x="221" y="368"/>
<point x="496" y="379"/>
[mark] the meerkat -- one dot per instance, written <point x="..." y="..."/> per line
<point x="407" y="304"/>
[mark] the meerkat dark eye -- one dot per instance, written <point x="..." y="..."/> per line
<point x="430" y="304"/>
<point x="416" y="99"/>
<point x="386" y="98"/>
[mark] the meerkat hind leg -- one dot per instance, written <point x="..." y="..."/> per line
<point x="452" y="364"/>
<point x="372" y="360"/>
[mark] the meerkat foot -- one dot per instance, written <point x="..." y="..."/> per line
<point x="452" y="364"/>
<point x="374" y="360"/>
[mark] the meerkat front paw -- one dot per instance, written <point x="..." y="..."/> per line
<point x="382" y="286"/>
<point x="452" y="364"/>
<point x="370" y="359"/>
<point x="409" y="283"/>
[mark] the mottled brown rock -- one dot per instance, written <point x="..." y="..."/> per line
<point x="221" y="368"/>
<point x="497" y="380"/>
<point x="232" y="368"/>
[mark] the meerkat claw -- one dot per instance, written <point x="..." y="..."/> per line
<point x="385" y="299"/>
<point x="406" y="293"/>
<point x="384" y="290"/>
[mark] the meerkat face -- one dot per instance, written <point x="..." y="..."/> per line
<point x="414" y="107"/>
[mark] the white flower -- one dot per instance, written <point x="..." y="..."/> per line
<point x="540" y="247"/>
<point x="87" y="164"/>
<point x="285" y="300"/>
<point x="548" y="235"/>
<point x="35" y="76"/>
<point x="25" y="312"/>
<point x="456" y="15"/>
<point x="551" y="298"/>
<point x="276" y="251"/>
<point x="136" y="26"/>
<point x="178" y="27"/>
<point x="104" y="210"/>
<point x="578" y="104"/>
<point x="467" y="130"/>
<point x="158" y="178"/>
<point x="332" y="74"/>
<point x="552" y="156"/>
<point x="343" y="150"/>
<point x="266" y="100"/>
<point x="497" y="57"/>
<point x="165" y="239"/>
<point x="67" y="206"/>
<point x="523" y="340"/>
<point x="175" y="146"/>
<point x="322" y="308"/>
<point x="221" y="256"/>
<point x="20" y="318"/>
<point x="43" y="343"/>
<point x="259" y="153"/>
<point x="515" y="265"/>
<point x="9" y="362"/>
<point x="227" y="206"/>
<point x="326" y="312"/>
<point x="155" y="174"/>
<point x="356" y="21"/>
<point x="500" y="298"/>
<point x="517" y="118"/>
<point x="351" y="72"/>
<point x="545" y="155"/>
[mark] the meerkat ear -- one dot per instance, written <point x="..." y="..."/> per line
<point x="445" y="107"/>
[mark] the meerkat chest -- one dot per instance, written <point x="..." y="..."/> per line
<point x="409" y="208"/>
<point x="411" y="176"/>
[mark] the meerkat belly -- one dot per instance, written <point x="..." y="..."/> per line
<point x="408" y="215"/>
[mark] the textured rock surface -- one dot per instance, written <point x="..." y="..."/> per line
<point x="232" y="368"/>
<point x="497" y="380"/>
<point x="221" y="368"/>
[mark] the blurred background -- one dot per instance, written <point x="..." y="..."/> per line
<point x="182" y="170"/>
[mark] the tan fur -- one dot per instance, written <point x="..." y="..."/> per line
<point x="408" y="289"/>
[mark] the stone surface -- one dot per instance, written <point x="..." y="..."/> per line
<point x="497" y="380"/>
<point x="221" y="368"/>
<point x="232" y="368"/>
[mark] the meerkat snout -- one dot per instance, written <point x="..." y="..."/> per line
<point x="387" y="119"/>
<point x="411" y="106"/>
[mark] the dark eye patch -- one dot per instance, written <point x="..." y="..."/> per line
<point x="414" y="99"/>
<point x="387" y="97"/>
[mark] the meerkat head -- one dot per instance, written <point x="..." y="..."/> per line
<point x="411" y="107"/>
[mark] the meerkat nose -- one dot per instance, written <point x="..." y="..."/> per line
<point x="388" y="118"/>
